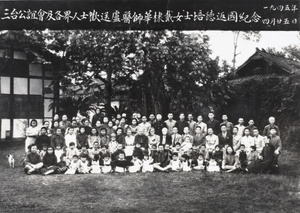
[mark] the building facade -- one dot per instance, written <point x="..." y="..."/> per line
<point x="24" y="92"/>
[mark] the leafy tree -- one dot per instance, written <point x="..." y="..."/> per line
<point x="178" y="73"/>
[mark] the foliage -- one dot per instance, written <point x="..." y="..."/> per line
<point x="177" y="72"/>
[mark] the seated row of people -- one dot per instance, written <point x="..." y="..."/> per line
<point x="157" y="158"/>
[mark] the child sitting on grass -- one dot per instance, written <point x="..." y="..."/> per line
<point x="200" y="163"/>
<point x="218" y="155"/>
<point x="116" y="154"/>
<point x="147" y="163"/>
<point x="252" y="155"/>
<point x="43" y="151"/>
<point x="95" y="166"/>
<point x="121" y="163"/>
<point x="177" y="149"/>
<point x="49" y="162"/>
<point x="58" y="152"/>
<point x="71" y="151"/>
<point x="33" y="161"/>
<point x="62" y="165"/>
<point x="106" y="164"/>
<point x="84" y="165"/>
<point x="136" y="164"/>
<point x="175" y="164"/>
<point x="74" y="166"/>
<point x="185" y="161"/>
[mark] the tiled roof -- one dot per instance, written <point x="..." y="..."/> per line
<point x="288" y="65"/>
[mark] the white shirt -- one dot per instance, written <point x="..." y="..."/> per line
<point x="211" y="142"/>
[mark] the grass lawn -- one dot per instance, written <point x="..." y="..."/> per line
<point x="156" y="192"/>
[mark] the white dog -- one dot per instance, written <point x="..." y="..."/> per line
<point x="11" y="161"/>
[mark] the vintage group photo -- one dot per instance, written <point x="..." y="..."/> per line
<point x="149" y="121"/>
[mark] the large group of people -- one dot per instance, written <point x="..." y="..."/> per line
<point x="140" y="144"/>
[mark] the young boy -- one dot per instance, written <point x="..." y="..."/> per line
<point x="138" y="151"/>
<point x="175" y="164"/>
<point x="58" y="152"/>
<point x="177" y="149"/>
<point x="136" y="164"/>
<point x="112" y="145"/>
<point x="121" y="164"/>
<point x="74" y="166"/>
<point x="33" y="161"/>
<point x="243" y="157"/>
<point x="62" y="165"/>
<point x="106" y="164"/>
<point x="117" y="152"/>
<point x="252" y="155"/>
<point x="71" y="151"/>
<point x="84" y="165"/>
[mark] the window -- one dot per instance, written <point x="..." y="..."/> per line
<point x="20" y="86"/>
<point x="5" y="126"/>
<point x="20" y="55"/>
<point x="36" y="87"/>
<point x="5" y="85"/>
<point x="47" y="111"/>
<point x="36" y="69"/>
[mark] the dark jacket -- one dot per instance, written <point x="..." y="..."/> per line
<point x="82" y="140"/>
<point x="180" y="126"/>
<point x="168" y="139"/>
<point x="225" y="141"/>
<point x="49" y="160"/>
<point x="58" y="140"/>
<point x="41" y="140"/>
<point x="143" y="140"/>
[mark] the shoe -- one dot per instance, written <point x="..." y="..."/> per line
<point x="30" y="171"/>
<point x="48" y="172"/>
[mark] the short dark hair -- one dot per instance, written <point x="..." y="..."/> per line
<point x="72" y="144"/>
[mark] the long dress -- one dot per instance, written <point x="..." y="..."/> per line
<point x="31" y="135"/>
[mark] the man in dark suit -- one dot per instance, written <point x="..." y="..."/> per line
<point x="225" y="137"/>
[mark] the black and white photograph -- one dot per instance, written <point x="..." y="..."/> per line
<point x="150" y="106"/>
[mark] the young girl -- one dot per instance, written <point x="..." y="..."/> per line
<point x="106" y="164"/>
<point x="137" y="164"/>
<point x="177" y="149"/>
<point x="200" y="163"/>
<point x="84" y="165"/>
<point x="252" y="155"/>
<point x="32" y="133"/>
<point x="93" y="137"/>
<point x="146" y="163"/>
<point x="54" y="127"/>
<point x="50" y="162"/>
<point x="134" y="126"/>
<point x="74" y="166"/>
<point x="186" y="167"/>
<point x="104" y="138"/>
<point x="82" y="138"/>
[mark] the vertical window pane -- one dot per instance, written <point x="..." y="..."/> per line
<point x="36" y="87"/>
<point x="36" y="69"/>
<point x="20" y="86"/>
<point x="48" y="91"/>
<point x="47" y="111"/>
<point x="20" y="126"/>
<point x="5" y="126"/>
<point x="5" y="85"/>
